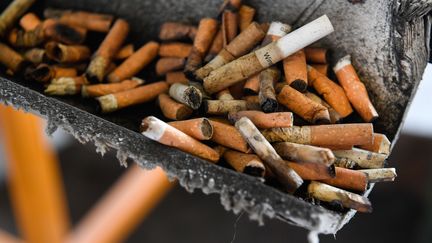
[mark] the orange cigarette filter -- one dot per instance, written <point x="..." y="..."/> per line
<point x="229" y="26"/>
<point x="228" y="136"/>
<point x="142" y="94"/>
<point x="169" y="64"/>
<point x="249" y="164"/>
<point x="67" y="53"/>
<point x="159" y="131"/>
<point x="380" y="144"/>
<point x="335" y="117"/>
<point x="107" y="50"/>
<point x="171" y="31"/>
<point x="296" y="71"/>
<point x="67" y="34"/>
<point x="87" y="20"/>
<point x="264" y="120"/>
<point x="348" y="179"/>
<point x="135" y="63"/>
<point x="246" y="15"/>
<point x="332" y="92"/>
<point x="125" y="52"/>
<point x="252" y="85"/>
<point x="312" y="171"/>
<point x="316" y="55"/>
<point x="97" y="90"/>
<point x="355" y="89"/>
<point x="173" y="110"/>
<point x="216" y="46"/>
<point x="322" y="68"/>
<point x="176" y="77"/>
<point x="198" y="128"/>
<point x="175" y="49"/>
<point x="306" y="108"/>
<point x="29" y="21"/>
<point x="10" y="59"/>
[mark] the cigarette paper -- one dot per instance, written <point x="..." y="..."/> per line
<point x="65" y="86"/>
<point x="199" y="128"/>
<point x="223" y="107"/>
<point x="224" y="95"/>
<point x="188" y="95"/>
<point x="97" y="90"/>
<point x="304" y="153"/>
<point x="380" y="175"/>
<point x="249" y="164"/>
<point x="363" y="158"/>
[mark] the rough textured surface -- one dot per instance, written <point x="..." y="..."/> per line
<point x="389" y="53"/>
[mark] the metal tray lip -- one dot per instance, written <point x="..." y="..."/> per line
<point x="281" y="205"/>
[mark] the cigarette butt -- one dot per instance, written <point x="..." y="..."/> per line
<point x="332" y="194"/>
<point x="199" y="86"/>
<point x="35" y="55"/>
<point x="169" y="64"/>
<point x="296" y="71"/>
<point x="352" y="180"/>
<point x="141" y="94"/>
<point x="239" y="46"/>
<point x="109" y="47"/>
<point x="363" y="158"/>
<point x="172" y="31"/>
<point x="12" y="13"/>
<point x="312" y="171"/>
<point x="223" y="107"/>
<point x="301" y="105"/>
<point x="322" y="68"/>
<point x="90" y="21"/>
<point x="264" y="120"/>
<point x="220" y="149"/>
<point x="173" y="110"/>
<point x="176" y="77"/>
<point x="188" y="95"/>
<point x="44" y="73"/>
<point x="11" y="59"/>
<point x="304" y="153"/>
<point x="267" y="95"/>
<point x="67" y="53"/>
<point x="215" y="47"/>
<point x="29" y="21"/>
<point x="64" y="33"/>
<point x="65" y="86"/>
<point x="206" y="31"/>
<point x="355" y="89"/>
<point x="283" y="172"/>
<point x="337" y="135"/>
<point x="380" y="144"/>
<point x="135" y="63"/>
<point x="249" y="164"/>
<point x="332" y="92"/>
<point x="97" y="90"/>
<point x="230" y="5"/>
<point x="246" y="15"/>
<point x="26" y="39"/>
<point x="159" y="131"/>
<point x="228" y="136"/>
<point x="380" y="175"/>
<point x="275" y="31"/>
<point x="198" y="128"/>
<point x="344" y="163"/>
<point x="175" y="49"/>
<point x="229" y="26"/>
<point x="335" y="117"/>
<point x="316" y="55"/>
<point x="252" y="85"/>
<point x="125" y="52"/>
<point x="224" y="95"/>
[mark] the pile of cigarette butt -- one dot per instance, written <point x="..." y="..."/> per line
<point x="232" y="89"/>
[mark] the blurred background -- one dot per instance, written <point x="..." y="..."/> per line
<point x="402" y="210"/>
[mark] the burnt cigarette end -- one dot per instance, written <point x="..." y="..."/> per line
<point x="269" y="105"/>
<point x="67" y="34"/>
<point x="252" y="169"/>
<point x="299" y="85"/>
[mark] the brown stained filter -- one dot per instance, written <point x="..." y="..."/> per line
<point x="90" y="21"/>
<point x="355" y="89"/>
<point x="29" y="21"/>
<point x="296" y="71"/>
<point x="229" y="26"/>
<point x="352" y="180"/>
<point x="199" y="128"/>
<point x="249" y="164"/>
<point x="267" y="95"/>
<point x="303" y="106"/>
<point x="223" y="107"/>
<point x="228" y="136"/>
<point x="312" y="171"/>
<point x="109" y="47"/>
<point x="264" y="120"/>
<point x="135" y="63"/>
<point x="142" y="94"/>
<point x="125" y="52"/>
<point x="12" y="13"/>
<point x="67" y="53"/>
<point x="169" y="64"/>
<point x="176" y="77"/>
<point x="332" y="92"/>
<point x="172" y="109"/>
<point x="67" y="34"/>
<point x="246" y="15"/>
<point x="159" y="131"/>
<point x="175" y="49"/>
<point x="252" y="85"/>
<point x="206" y="31"/>
<point x="322" y="68"/>
<point x="35" y="55"/>
<point x="97" y="90"/>
<point x="10" y="59"/>
<point x="172" y="31"/>
<point x="335" y="117"/>
<point x="380" y="144"/>
<point x="215" y="47"/>
<point x="316" y="55"/>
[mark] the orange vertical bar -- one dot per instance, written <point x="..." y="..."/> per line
<point x="34" y="179"/>
<point x="132" y="197"/>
